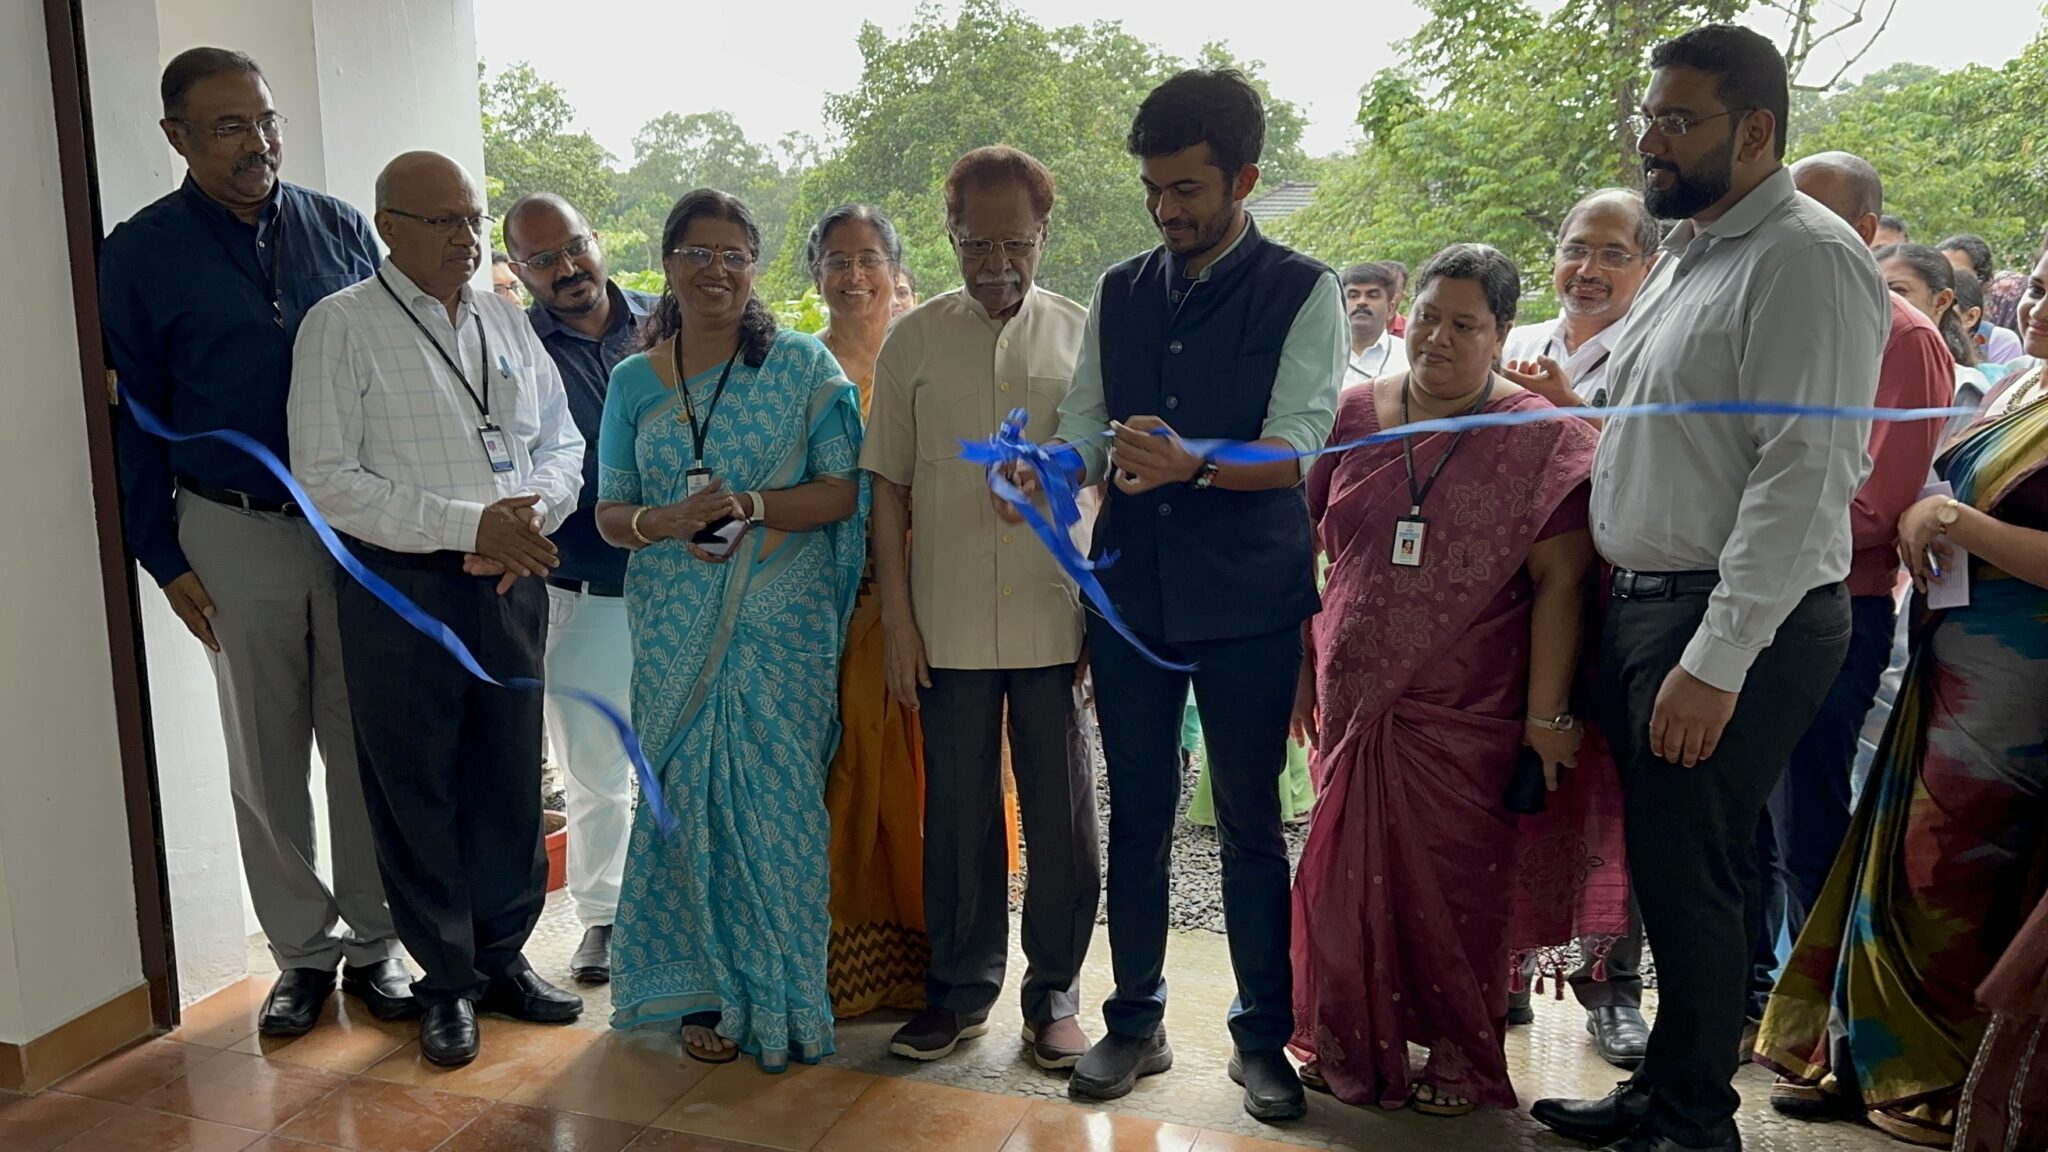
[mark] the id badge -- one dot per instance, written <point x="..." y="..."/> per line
<point x="1409" y="532"/>
<point x="696" y="480"/>
<point x="497" y="447"/>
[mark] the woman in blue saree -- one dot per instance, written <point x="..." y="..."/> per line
<point x="723" y="922"/>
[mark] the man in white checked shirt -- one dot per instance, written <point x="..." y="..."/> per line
<point x="428" y="422"/>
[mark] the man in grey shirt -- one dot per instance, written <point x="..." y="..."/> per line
<point x="1729" y="537"/>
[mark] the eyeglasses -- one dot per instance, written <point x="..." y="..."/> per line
<point x="1611" y="258"/>
<point x="270" y="128"/>
<point x="1673" y="124"/>
<point x="840" y="265"/>
<point x="733" y="259"/>
<point x="542" y="261"/>
<point x="980" y="249"/>
<point x="446" y="225"/>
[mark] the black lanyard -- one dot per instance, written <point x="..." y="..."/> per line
<point x="1417" y="495"/>
<point x="699" y="431"/>
<point x="483" y="402"/>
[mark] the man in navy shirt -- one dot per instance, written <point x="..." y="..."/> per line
<point x="201" y="294"/>
<point x="588" y="324"/>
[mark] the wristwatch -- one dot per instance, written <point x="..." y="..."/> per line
<point x="758" y="506"/>
<point x="1204" y="476"/>
<point x="1563" y="722"/>
<point x="1945" y="516"/>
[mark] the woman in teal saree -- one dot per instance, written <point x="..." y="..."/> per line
<point x="723" y="923"/>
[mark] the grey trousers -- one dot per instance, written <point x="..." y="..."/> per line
<point x="280" y="678"/>
<point x="966" y="874"/>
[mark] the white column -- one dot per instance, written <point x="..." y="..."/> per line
<point x="67" y="905"/>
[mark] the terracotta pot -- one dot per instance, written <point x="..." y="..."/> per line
<point x="557" y="841"/>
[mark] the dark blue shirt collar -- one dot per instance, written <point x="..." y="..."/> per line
<point x="201" y="202"/>
<point x="626" y="310"/>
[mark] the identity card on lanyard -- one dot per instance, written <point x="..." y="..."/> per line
<point x="496" y="444"/>
<point x="1411" y="532"/>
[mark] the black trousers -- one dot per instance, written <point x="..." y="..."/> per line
<point x="1692" y="836"/>
<point x="451" y="766"/>
<point x="966" y="851"/>
<point x="1244" y="690"/>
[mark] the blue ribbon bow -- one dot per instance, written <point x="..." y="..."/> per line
<point x="399" y="602"/>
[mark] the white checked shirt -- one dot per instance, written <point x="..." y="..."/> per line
<point x="384" y="437"/>
<point x="1585" y="368"/>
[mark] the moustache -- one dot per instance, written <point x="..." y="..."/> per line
<point x="1587" y="282"/>
<point x="1177" y="223"/>
<point x="1652" y="164"/>
<point x="258" y="160"/>
<point x="1363" y="310"/>
<point x="568" y="282"/>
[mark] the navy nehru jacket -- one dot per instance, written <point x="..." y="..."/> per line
<point x="586" y="368"/>
<point x="198" y="335"/>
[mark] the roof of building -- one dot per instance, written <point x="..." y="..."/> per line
<point x="1281" y="201"/>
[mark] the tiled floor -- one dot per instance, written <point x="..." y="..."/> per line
<point x="358" y="1085"/>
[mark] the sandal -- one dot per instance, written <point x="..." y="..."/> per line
<point x="1804" y="1101"/>
<point x="702" y="1054"/>
<point x="1430" y="1107"/>
<point x="1908" y="1131"/>
<point x="1311" y="1075"/>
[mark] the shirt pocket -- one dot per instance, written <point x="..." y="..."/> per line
<point x="1043" y="395"/>
<point x="1702" y="343"/>
<point x="520" y="395"/>
<point x="946" y="416"/>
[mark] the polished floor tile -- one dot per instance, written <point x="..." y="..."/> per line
<point x="512" y="1128"/>
<point x="377" y="1116"/>
<point x="41" y="1123"/>
<point x="1055" y="1127"/>
<point x="933" y="1117"/>
<point x="792" y="1111"/>
<point x="627" y="1076"/>
<point x="509" y="1054"/>
<point x="245" y="1091"/>
<point x="136" y="1073"/>
<point x="227" y="1017"/>
<point x="347" y="1040"/>
<point x="280" y="1144"/>
<point x="1231" y="1142"/>
<point x="139" y="1130"/>
<point x="663" y="1140"/>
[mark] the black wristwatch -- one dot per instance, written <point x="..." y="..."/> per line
<point x="1204" y="476"/>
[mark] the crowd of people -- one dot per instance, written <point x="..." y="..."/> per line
<point x="1547" y="691"/>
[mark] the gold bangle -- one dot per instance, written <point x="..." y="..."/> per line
<point x="637" y="535"/>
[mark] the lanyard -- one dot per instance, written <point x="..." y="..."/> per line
<point x="483" y="402"/>
<point x="1386" y="352"/>
<point x="1417" y="495"/>
<point x="699" y="431"/>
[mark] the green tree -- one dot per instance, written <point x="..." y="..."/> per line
<point x="528" y="146"/>
<point x="993" y="75"/>
<point x="675" y="153"/>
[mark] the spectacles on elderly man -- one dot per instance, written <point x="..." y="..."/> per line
<point x="544" y="261"/>
<point x="270" y="128"/>
<point x="1016" y="249"/>
<point x="477" y="223"/>
<point x="1610" y="258"/>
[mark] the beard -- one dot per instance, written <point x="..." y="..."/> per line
<point x="1208" y="234"/>
<point x="1690" y="193"/>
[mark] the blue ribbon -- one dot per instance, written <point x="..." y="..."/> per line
<point x="399" y="602"/>
<point x="1057" y="466"/>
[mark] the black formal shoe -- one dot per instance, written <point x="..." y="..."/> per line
<point x="592" y="963"/>
<point x="1272" y="1092"/>
<point x="528" y="997"/>
<point x="1115" y="1063"/>
<point x="1521" y="1010"/>
<point x="1646" y="1142"/>
<point x="294" y="1001"/>
<point x="385" y="987"/>
<point x="1619" y="1033"/>
<point x="448" y="1034"/>
<point x="1609" y="1118"/>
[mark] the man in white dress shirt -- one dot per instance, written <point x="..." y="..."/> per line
<point x="428" y="422"/>
<point x="1370" y="293"/>
<point x="1604" y="251"/>
<point x="1729" y="537"/>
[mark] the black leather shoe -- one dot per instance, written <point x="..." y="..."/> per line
<point x="1115" y="1063"/>
<point x="1645" y="1142"/>
<point x="528" y="997"/>
<point x="294" y="1001"/>
<point x="1620" y="1035"/>
<point x="385" y="987"/>
<point x="592" y="963"/>
<point x="1521" y="1009"/>
<point x="448" y="1034"/>
<point x="1272" y="1092"/>
<point x="1609" y="1118"/>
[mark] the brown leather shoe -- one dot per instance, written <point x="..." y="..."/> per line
<point x="1057" y="1045"/>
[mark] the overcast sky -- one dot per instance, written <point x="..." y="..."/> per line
<point x="771" y="62"/>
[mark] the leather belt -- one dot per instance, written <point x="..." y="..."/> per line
<point x="588" y="587"/>
<point x="242" y="500"/>
<point x="1631" y="585"/>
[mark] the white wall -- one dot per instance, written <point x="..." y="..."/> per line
<point x="360" y="81"/>
<point x="67" y="905"/>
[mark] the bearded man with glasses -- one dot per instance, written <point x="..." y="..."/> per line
<point x="201" y="296"/>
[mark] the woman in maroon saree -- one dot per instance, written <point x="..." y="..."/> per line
<point x="1431" y="668"/>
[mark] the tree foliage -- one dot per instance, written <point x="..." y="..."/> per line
<point x="992" y="75"/>
<point x="528" y="146"/>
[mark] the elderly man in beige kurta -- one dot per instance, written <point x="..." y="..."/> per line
<point x="983" y="617"/>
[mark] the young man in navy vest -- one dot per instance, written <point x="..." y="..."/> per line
<point x="1218" y="333"/>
